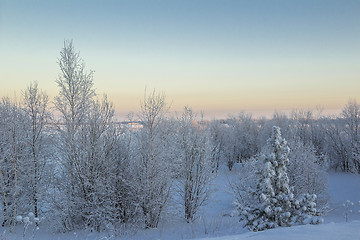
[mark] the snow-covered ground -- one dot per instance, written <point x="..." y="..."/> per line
<point x="329" y="231"/>
<point x="220" y="222"/>
<point x="343" y="187"/>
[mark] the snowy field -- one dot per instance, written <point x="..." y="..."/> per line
<point x="220" y="222"/>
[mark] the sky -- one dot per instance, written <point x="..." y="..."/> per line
<point x="220" y="57"/>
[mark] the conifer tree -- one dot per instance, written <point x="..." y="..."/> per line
<point x="272" y="201"/>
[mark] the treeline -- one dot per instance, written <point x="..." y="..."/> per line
<point x="85" y="171"/>
<point x="333" y="139"/>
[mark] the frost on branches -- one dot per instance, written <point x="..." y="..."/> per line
<point x="271" y="202"/>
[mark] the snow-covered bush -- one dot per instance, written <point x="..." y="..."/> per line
<point x="28" y="220"/>
<point x="270" y="200"/>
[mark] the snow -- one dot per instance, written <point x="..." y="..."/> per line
<point x="19" y="218"/>
<point x="26" y="219"/>
<point x="343" y="187"/>
<point x="330" y="231"/>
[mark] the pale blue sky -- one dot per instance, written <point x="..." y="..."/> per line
<point x="216" y="56"/>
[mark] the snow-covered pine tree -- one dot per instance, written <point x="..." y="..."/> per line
<point x="271" y="202"/>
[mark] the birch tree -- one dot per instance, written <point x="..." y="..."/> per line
<point x="194" y="183"/>
<point x="73" y="103"/>
<point x="351" y="115"/>
<point x="306" y="174"/>
<point x="97" y="139"/>
<point x="35" y="105"/>
<point x="12" y="152"/>
<point x="217" y="142"/>
<point x="151" y="166"/>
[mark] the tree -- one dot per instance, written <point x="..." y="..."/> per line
<point x="338" y="146"/>
<point x="13" y="152"/>
<point x="302" y="124"/>
<point x="73" y="103"/>
<point x="217" y="140"/>
<point x="231" y="150"/>
<point x="308" y="126"/>
<point x="152" y="167"/>
<point x="278" y="119"/>
<point x="124" y="202"/>
<point x="306" y="172"/>
<point x="248" y="136"/>
<point x="351" y="115"/>
<point x="271" y="202"/>
<point x="242" y="138"/>
<point x="96" y="156"/>
<point x="194" y="185"/>
<point x="342" y="135"/>
<point x="35" y="104"/>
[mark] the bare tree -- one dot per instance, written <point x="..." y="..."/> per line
<point x="248" y="136"/>
<point x="308" y="126"/>
<point x="351" y="115"/>
<point x="96" y="140"/>
<point x="194" y="185"/>
<point x="231" y="150"/>
<point x="337" y="147"/>
<point x="152" y="169"/>
<point x="122" y="181"/>
<point x="217" y="142"/>
<point x="343" y="138"/>
<point x="73" y="103"/>
<point x="12" y="153"/>
<point x="35" y="104"/>
<point x="306" y="174"/>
